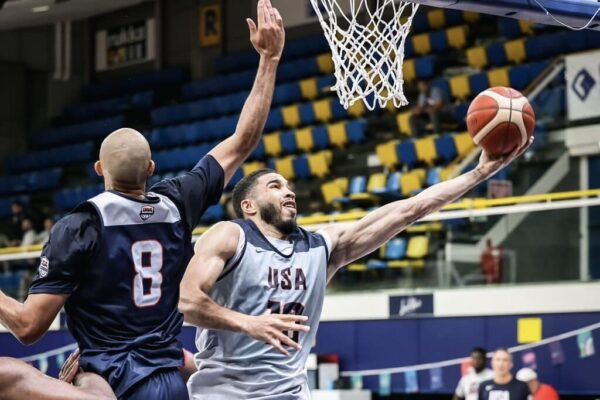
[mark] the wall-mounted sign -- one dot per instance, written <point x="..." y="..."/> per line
<point x="125" y="45"/>
<point x="210" y="25"/>
<point x="409" y="306"/>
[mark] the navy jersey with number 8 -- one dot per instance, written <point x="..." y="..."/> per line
<point x="120" y="260"/>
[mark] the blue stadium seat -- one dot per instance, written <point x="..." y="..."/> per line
<point x="288" y="142"/>
<point x="213" y="213"/>
<point x="509" y="27"/>
<point x="460" y="113"/>
<point x="301" y="167"/>
<point x="274" y="121"/>
<point x="407" y="153"/>
<point x="239" y="174"/>
<point x="355" y="131"/>
<point x="443" y="85"/>
<point x="445" y="147"/>
<point x="393" y="183"/>
<point x="259" y="152"/>
<point x="135" y="83"/>
<point x="287" y="93"/>
<point x="575" y="41"/>
<point x="496" y="54"/>
<point x="337" y="110"/>
<point x="479" y="82"/>
<point x="439" y="41"/>
<point x="307" y="113"/>
<point x="538" y="47"/>
<point x="395" y="249"/>
<point x="425" y="66"/>
<point x="433" y="176"/>
<point x="320" y="137"/>
<point x="77" y="133"/>
<point x="519" y="77"/>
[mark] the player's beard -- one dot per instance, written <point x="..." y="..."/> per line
<point x="272" y="216"/>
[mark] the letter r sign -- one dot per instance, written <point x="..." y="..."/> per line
<point x="210" y="25"/>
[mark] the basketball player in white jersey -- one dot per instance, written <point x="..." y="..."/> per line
<point x="263" y="263"/>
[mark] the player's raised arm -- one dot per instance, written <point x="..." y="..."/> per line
<point x="212" y="252"/>
<point x="350" y="242"/>
<point x="267" y="37"/>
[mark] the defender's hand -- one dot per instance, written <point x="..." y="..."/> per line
<point x="273" y="328"/>
<point x="70" y="368"/>
<point x="269" y="37"/>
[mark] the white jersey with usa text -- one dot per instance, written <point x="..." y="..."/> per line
<point x="265" y="274"/>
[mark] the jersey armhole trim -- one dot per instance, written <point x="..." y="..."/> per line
<point x="234" y="261"/>
<point x="327" y="243"/>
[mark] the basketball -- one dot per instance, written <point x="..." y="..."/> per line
<point x="500" y="119"/>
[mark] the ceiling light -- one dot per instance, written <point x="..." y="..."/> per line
<point x="40" y="9"/>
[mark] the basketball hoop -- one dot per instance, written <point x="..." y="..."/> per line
<point x="368" y="56"/>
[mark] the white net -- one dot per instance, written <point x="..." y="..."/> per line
<point x="367" y="55"/>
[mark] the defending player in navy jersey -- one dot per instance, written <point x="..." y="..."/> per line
<point x="246" y="271"/>
<point x="115" y="263"/>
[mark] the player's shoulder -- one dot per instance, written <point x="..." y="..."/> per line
<point x="223" y="235"/>
<point x="82" y="216"/>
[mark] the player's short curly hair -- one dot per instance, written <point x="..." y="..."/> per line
<point x="243" y="188"/>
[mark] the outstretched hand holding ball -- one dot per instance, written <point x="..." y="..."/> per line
<point x="501" y="121"/>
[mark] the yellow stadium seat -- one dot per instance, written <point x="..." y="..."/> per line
<point x="421" y="173"/>
<point x="357" y="267"/>
<point x="418" y="247"/>
<point x="460" y="86"/>
<point x="377" y="182"/>
<point x="406" y="264"/>
<point x="464" y="143"/>
<point x="410" y="182"/>
<point x="403" y="122"/>
<point x="322" y="109"/>
<point x="250" y="167"/>
<point x="422" y="44"/>
<point x="409" y="71"/>
<point x="304" y="139"/>
<point x="426" y="150"/>
<point x="387" y="154"/>
<point x="446" y="172"/>
<point x="357" y="109"/>
<point x="337" y="134"/>
<point x="272" y="144"/>
<point x="285" y="167"/>
<point x="325" y="63"/>
<point x="328" y="154"/>
<point x="291" y="115"/>
<point x="477" y="57"/>
<point x="331" y="191"/>
<point x="457" y="36"/>
<point x="318" y="164"/>
<point x="515" y="51"/>
<point x="471" y="17"/>
<point x="499" y="77"/>
<point x="436" y="18"/>
<point x="309" y="89"/>
<point x="382" y="250"/>
<point x="526" y="27"/>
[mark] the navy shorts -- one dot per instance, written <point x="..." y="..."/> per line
<point x="165" y="384"/>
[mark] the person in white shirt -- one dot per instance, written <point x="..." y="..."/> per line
<point x="468" y="386"/>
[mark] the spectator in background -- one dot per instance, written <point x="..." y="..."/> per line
<point x="503" y="386"/>
<point x="468" y="386"/>
<point x="432" y="107"/>
<point x="540" y="391"/>
<point x="43" y="236"/>
<point x="29" y="234"/>
<point x="15" y="233"/>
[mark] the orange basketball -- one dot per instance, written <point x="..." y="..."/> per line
<point x="500" y="119"/>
